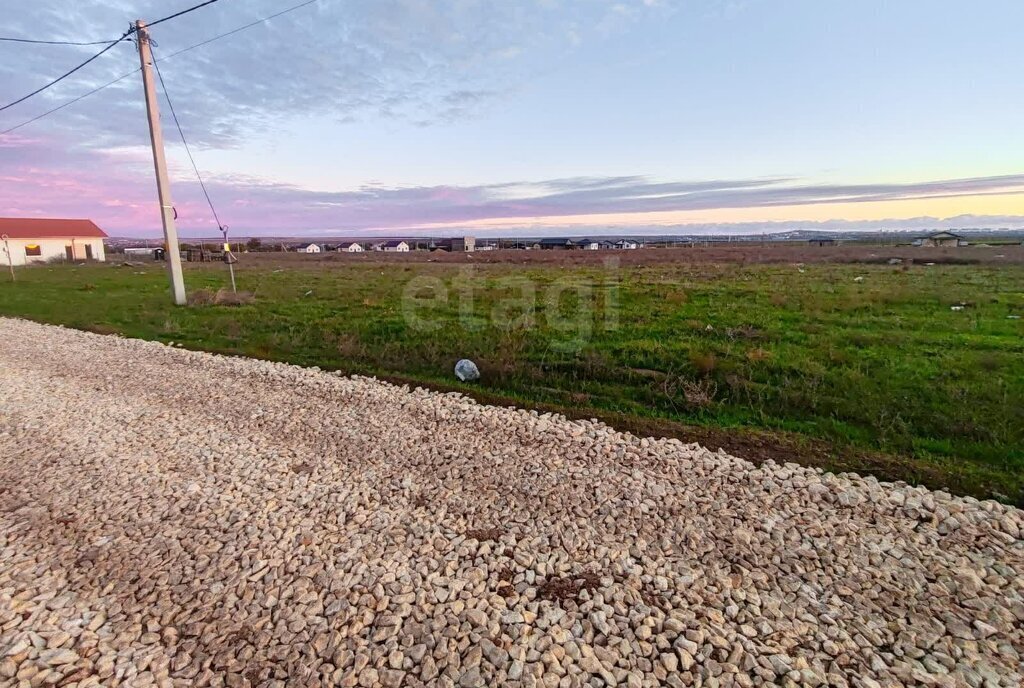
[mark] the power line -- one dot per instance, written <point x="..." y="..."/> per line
<point x="168" y="57"/>
<point x="109" y="46"/>
<point x="12" y="39"/>
<point x="188" y="150"/>
<point x="178" y="14"/>
<point x="70" y="102"/>
<point x="229" y="258"/>
<point x="30" y="40"/>
<point x="242" y="28"/>
<point x="66" y="74"/>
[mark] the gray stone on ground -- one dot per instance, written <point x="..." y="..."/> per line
<point x="466" y="370"/>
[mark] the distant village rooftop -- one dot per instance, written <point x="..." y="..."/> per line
<point x="40" y="228"/>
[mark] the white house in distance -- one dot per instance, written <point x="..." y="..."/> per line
<point x="38" y="241"/>
<point x="396" y="247"/>
<point x="354" y="247"/>
<point x="312" y="248"/>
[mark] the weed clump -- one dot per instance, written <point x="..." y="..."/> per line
<point x="221" y="297"/>
<point x="699" y="393"/>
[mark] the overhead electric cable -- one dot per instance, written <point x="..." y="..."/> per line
<point x="67" y="73"/>
<point x="70" y="102"/>
<point x="241" y="28"/>
<point x="11" y="39"/>
<point x="229" y="257"/>
<point x="165" y="58"/>
<point x="109" y="46"/>
<point x="188" y="150"/>
<point x="178" y="14"/>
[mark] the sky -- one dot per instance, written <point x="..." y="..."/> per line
<point x="504" y="117"/>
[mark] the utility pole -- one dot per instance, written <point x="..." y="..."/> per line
<point x="163" y="184"/>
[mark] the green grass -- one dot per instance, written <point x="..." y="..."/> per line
<point x="881" y="365"/>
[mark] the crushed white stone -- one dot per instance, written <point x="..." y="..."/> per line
<point x="174" y="518"/>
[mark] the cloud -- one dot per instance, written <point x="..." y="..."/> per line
<point x="413" y="60"/>
<point x="121" y="198"/>
<point x="422" y="62"/>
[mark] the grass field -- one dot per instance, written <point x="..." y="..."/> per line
<point x="912" y="373"/>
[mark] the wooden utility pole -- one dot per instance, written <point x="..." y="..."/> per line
<point x="163" y="184"/>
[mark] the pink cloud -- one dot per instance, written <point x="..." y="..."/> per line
<point x="116" y="189"/>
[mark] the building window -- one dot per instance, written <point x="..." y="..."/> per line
<point x="33" y="250"/>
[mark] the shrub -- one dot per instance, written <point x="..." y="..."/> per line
<point x="696" y="394"/>
<point x="699" y="393"/>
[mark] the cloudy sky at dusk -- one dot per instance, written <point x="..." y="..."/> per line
<point x="503" y="116"/>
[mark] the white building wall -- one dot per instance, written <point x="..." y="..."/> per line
<point x="50" y="249"/>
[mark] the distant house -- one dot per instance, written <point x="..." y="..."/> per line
<point x="941" y="239"/>
<point x="354" y="247"/>
<point x="588" y="244"/>
<point x="464" y="244"/>
<point x="556" y="244"/>
<point x="312" y="248"/>
<point x="395" y="247"/>
<point x="37" y="241"/>
<point x="626" y="244"/>
<point x="607" y="245"/>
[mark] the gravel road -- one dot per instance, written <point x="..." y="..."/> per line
<point x="177" y="518"/>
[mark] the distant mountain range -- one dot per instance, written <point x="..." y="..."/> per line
<point x="971" y="234"/>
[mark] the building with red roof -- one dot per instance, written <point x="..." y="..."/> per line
<point x="36" y="240"/>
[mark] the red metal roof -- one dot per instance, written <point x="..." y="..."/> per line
<point x="36" y="228"/>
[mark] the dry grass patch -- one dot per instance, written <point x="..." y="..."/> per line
<point x="221" y="297"/>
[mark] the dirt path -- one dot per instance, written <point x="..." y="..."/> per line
<point x="175" y="518"/>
